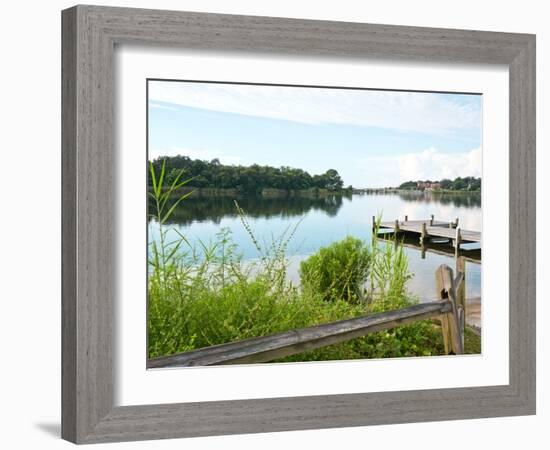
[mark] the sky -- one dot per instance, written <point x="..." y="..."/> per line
<point x="373" y="138"/>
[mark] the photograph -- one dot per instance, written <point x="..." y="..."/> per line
<point x="281" y="216"/>
<point x="273" y="223"/>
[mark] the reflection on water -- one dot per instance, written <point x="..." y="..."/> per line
<point x="326" y="219"/>
<point x="465" y="200"/>
<point x="214" y="209"/>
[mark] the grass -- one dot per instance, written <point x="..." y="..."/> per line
<point x="472" y="342"/>
<point x="206" y="295"/>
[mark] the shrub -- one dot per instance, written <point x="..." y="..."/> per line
<point x="339" y="271"/>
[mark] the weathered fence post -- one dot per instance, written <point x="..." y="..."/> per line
<point x="453" y="333"/>
<point x="444" y="319"/>
<point x="460" y="288"/>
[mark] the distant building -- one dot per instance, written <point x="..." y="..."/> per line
<point x="428" y="185"/>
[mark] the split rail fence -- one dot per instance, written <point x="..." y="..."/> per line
<point x="449" y="309"/>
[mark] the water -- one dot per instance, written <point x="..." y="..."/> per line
<point x="322" y="221"/>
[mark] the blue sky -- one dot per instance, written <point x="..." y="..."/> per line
<point x="373" y="138"/>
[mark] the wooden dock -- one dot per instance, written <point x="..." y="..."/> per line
<point x="471" y="255"/>
<point x="430" y="230"/>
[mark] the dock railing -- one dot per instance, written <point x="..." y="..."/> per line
<point x="449" y="308"/>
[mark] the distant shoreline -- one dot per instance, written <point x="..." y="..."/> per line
<point x="450" y="191"/>
<point x="264" y="193"/>
<point x="390" y="190"/>
<point x="309" y="193"/>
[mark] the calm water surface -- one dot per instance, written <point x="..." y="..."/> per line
<point x="322" y="221"/>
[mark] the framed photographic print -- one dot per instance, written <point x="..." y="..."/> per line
<point x="255" y="209"/>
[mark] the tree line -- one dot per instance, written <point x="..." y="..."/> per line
<point x="247" y="179"/>
<point x="458" y="184"/>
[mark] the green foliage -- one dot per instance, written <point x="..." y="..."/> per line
<point x="472" y="342"/>
<point x="339" y="271"/>
<point x="202" y="313"/>
<point x="408" y="185"/>
<point x="421" y="338"/>
<point x="389" y="275"/>
<point x="249" y="179"/>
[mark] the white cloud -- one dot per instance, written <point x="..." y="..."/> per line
<point x="429" y="164"/>
<point x="435" y="165"/>
<point x="195" y="153"/>
<point x="407" y="111"/>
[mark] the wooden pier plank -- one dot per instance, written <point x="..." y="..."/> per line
<point x="438" y="229"/>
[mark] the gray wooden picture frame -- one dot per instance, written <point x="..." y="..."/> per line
<point x="90" y="34"/>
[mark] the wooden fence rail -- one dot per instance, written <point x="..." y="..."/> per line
<point x="267" y="348"/>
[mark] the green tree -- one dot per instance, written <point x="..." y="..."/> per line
<point x="408" y="185"/>
<point x="251" y="179"/>
<point x="333" y="181"/>
<point x="446" y="183"/>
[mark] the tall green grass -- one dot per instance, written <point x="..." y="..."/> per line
<point x="204" y="294"/>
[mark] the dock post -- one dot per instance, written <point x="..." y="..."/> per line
<point x="396" y="227"/>
<point x="457" y="238"/>
<point x="456" y="242"/>
<point x="406" y="218"/>
<point x="423" y="233"/>
<point x="373" y="223"/>
<point x="456" y="222"/>
<point x="432" y="220"/>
